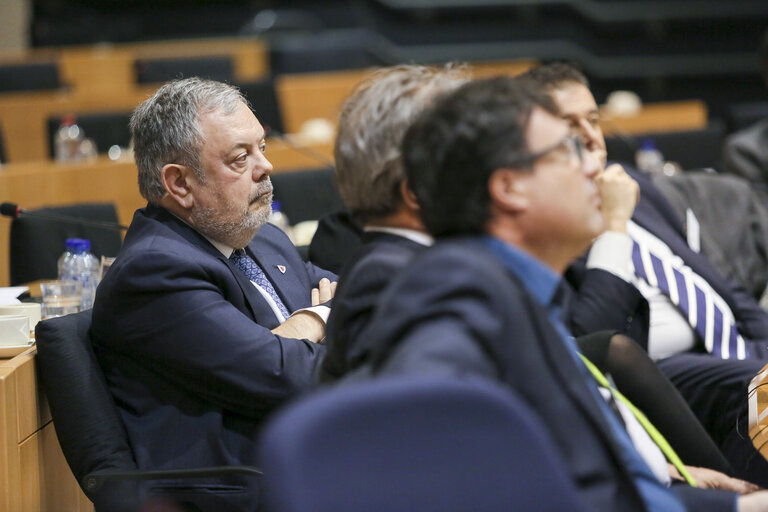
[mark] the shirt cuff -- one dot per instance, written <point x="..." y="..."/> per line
<point x="612" y="252"/>
<point x="321" y="312"/>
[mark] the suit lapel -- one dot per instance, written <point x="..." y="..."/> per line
<point x="257" y="305"/>
<point x="285" y="278"/>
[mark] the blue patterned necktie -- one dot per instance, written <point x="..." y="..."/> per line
<point x="254" y="272"/>
<point x="701" y="305"/>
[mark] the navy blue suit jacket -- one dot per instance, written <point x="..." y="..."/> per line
<point x="456" y="311"/>
<point x="184" y="340"/>
<point x="365" y="276"/>
<point x="607" y="302"/>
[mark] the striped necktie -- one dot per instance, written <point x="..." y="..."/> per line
<point x="254" y="272"/>
<point x="706" y="311"/>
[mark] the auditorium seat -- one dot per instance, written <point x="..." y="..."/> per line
<point x="88" y="426"/>
<point x="306" y="194"/>
<point x="741" y="115"/>
<point x="105" y="128"/>
<point x="263" y="99"/>
<point x="694" y="149"/>
<point x="32" y="76"/>
<point x="412" y="444"/>
<point x="36" y="243"/>
<point x="150" y="71"/>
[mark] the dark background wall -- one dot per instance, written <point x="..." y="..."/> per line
<point x="664" y="50"/>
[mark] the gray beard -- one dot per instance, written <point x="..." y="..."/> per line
<point x="236" y="233"/>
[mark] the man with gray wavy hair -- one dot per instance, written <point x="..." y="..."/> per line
<point x="372" y="183"/>
<point x="205" y="321"/>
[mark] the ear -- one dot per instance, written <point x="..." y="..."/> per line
<point x="509" y="190"/>
<point x="176" y="180"/>
<point x="409" y="198"/>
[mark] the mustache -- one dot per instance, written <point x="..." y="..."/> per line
<point x="264" y="191"/>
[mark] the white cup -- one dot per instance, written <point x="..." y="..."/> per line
<point x="31" y="310"/>
<point x="14" y="330"/>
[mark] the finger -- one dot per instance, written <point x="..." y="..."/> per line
<point x="315" y="296"/>
<point x="325" y="290"/>
<point x="333" y="288"/>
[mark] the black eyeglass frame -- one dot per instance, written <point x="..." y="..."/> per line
<point x="573" y="142"/>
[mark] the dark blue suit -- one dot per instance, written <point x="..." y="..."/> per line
<point x="365" y="276"/>
<point x="715" y="389"/>
<point x="184" y="340"/>
<point x="456" y="311"/>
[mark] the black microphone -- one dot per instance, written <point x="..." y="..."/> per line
<point x="13" y="210"/>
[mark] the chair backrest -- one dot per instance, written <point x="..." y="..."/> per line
<point x="158" y="70"/>
<point x="88" y="427"/>
<point x="307" y="195"/>
<point x="263" y="98"/>
<point x="29" y="77"/>
<point x="106" y="129"/>
<point x="36" y="243"/>
<point x="412" y="444"/>
<point x="675" y="146"/>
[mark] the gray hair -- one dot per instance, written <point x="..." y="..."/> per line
<point x="369" y="166"/>
<point x="165" y="128"/>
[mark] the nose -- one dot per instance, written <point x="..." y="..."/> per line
<point x="262" y="168"/>
<point x="591" y="164"/>
<point x="589" y="135"/>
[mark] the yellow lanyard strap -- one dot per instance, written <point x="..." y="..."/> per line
<point x="645" y="422"/>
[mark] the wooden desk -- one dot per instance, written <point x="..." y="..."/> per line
<point x="658" y="117"/>
<point x="34" y="475"/>
<point x="304" y="96"/>
<point x="102" y="78"/>
<point x="45" y="183"/>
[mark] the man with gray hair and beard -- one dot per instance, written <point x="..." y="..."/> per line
<point x="205" y="322"/>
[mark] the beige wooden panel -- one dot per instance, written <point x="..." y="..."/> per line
<point x="495" y="68"/>
<point x="249" y="54"/>
<point x="23" y="117"/>
<point x="658" y="117"/>
<point x="30" y="463"/>
<point x="98" y="71"/>
<point x="305" y="96"/>
<point x="28" y="412"/>
<point x="108" y="68"/>
<point x="10" y="470"/>
<point x="58" y="487"/>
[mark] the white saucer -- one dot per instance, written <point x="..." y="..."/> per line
<point x="8" y="351"/>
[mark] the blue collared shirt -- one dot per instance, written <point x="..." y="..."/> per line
<point x="542" y="283"/>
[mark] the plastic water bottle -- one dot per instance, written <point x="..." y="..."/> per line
<point x="79" y="264"/>
<point x="648" y="158"/>
<point x="67" y="141"/>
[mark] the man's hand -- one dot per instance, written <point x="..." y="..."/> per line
<point x="302" y="325"/>
<point x="755" y="502"/>
<point x="324" y="292"/>
<point x="711" y="479"/>
<point x="618" y="194"/>
<point x="305" y="324"/>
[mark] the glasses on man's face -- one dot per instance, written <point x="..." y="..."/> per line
<point x="571" y="144"/>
